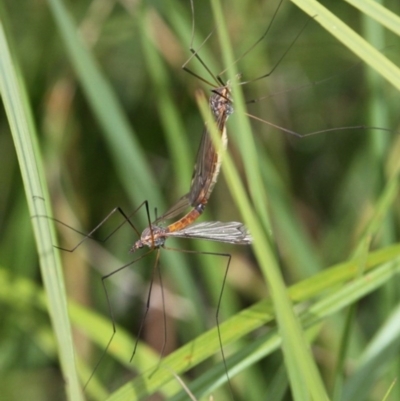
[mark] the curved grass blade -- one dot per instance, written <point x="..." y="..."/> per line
<point x="303" y="375"/>
<point x="352" y="40"/>
<point x="121" y="139"/>
<point x="379" y="13"/>
<point x="24" y="135"/>
<point x="322" y="286"/>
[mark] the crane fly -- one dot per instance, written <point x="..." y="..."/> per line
<point x="219" y="85"/>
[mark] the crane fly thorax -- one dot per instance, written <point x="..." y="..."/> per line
<point x="221" y="102"/>
<point x="153" y="237"/>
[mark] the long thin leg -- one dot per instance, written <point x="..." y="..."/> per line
<point x="260" y="40"/>
<point x="275" y="66"/>
<point x="195" y="54"/>
<point x="218" y="327"/>
<point x="147" y="308"/>
<point x="298" y="135"/>
<point x="90" y="234"/>
<point x="111" y="311"/>
<point x="218" y="78"/>
<point x="157" y="266"/>
<point x="229" y="257"/>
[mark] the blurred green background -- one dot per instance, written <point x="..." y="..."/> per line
<point x="322" y="189"/>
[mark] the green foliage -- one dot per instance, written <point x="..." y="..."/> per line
<point x="117" y="123"/>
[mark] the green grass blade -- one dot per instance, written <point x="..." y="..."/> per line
<point x="22" y="128"/>
<point x="352" y="40"/>
<point x="323" y="286"/>
<point x="379" y="13"/>
<point x="125" y="148"/>
<point x="94" y="69"/>
<point x="303" y="375"/>
<point x="298" y="359"/>
<point x="383" y="348"/>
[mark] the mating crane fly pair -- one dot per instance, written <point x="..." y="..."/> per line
<point x="205" y="175"/>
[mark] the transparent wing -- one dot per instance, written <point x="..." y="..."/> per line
<point x="176" y="209"/>
<point x="208" y="160"/>
<point x="231" y="232"/>
<point x="203" y="178"/>
<point x="207" y="167"/>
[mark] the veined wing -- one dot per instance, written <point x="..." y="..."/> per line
<point x="208" y="160"/>
<point x="232" y="232"/>
<point x="176" y="209"/>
